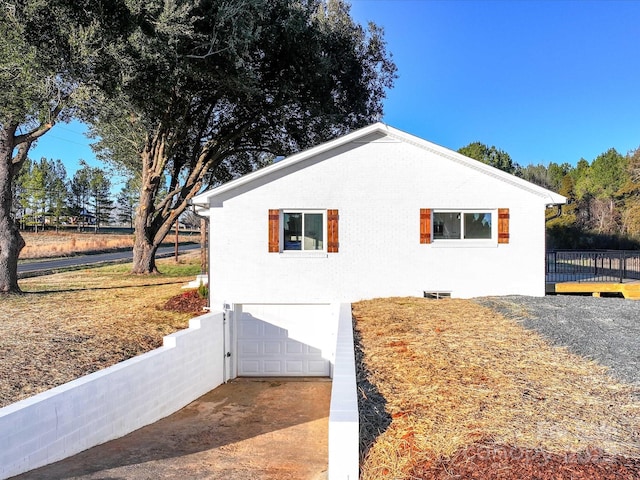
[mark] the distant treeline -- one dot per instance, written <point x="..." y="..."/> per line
<point x="602" y="212"/>
<point x="603" y="208"/>
<point x="43" y="196"/>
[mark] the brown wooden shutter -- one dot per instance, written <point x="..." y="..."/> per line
<point x="332" y="231"/>
<point x="274" y="230"/>
<point x="425" y="225"/>
<point x="503" y="225"/>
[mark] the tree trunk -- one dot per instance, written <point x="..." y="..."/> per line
<point x="155" y="218"/>
<point x="144" y="256"/>
<point x="146" y="241"/>
<point x="11" y="242"/>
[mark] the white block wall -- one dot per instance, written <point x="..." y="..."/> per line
<point x="379" y="189"/>
<point x="113" y="402"/>
<point x="343" y="417"/>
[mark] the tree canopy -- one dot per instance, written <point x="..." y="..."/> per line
<point x="52" y="60"/>
<point x="603" y="209"/>
<point x="212" y="89"/>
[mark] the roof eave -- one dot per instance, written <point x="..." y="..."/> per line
<point x="551" y="198"/>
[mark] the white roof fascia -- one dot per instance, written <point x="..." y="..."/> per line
<point x="551" y="198"/>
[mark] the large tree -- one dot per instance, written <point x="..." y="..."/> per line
<point x="19" y="127"/>
<point x="50" y="53"/>
<point x="212" y="89"/>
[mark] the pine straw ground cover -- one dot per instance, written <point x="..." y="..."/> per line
<point x="451" y="389"/>
<point x="74" y="323"/>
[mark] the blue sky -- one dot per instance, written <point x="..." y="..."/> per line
<point x="546" y="81"/>
<point x="67" y="142"/>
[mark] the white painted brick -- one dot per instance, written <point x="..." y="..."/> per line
<point x="110" y="403"/>
<point x="38" y="456"/>
<point x="380" y="254"/>
<point x="46" y="437"/>
<point x="343" y="415"/>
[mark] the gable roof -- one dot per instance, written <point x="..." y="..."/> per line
<point x="367" y="134"/>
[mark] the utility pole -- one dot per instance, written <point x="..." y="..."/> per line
<point x="176" y="245"/>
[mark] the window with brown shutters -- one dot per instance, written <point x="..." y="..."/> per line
<point x="425" y="225"/>
<point x="303" y="231"/>
<point x="469" y="225"/>
<point x="274" y="230"/>
<point x="503" y="225"/>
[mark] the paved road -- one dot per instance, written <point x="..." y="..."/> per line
<point x="44" y="267"/>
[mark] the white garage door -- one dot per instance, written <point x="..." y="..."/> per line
<point x="266" y="347"/>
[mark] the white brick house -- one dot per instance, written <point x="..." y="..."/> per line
<point x="374" y="213"/>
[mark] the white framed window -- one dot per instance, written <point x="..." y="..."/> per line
<point x="474" y="225"/>
<point x="298" y="230"/>
<point x="465" y="227"/>
<point x="303" y="230"/>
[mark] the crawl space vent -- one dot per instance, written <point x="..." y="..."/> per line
<point x="437" y="295"/>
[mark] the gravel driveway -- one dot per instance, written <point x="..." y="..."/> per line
<point x="606" y="330"/>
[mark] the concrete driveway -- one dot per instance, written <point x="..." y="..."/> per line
<point x="253" y="429"/>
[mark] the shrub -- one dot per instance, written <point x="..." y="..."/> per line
<point x="203" y="290"/>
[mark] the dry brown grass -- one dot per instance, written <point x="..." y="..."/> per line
<point x="454" y="373"/>
<point x="52" y="244"/>
<point x="74" y="323"/>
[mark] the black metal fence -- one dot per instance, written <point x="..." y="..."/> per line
<point x="592" y="266"/>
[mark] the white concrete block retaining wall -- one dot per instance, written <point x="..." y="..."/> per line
<point x="113" y="402"/>
<point x="343" y="418"/>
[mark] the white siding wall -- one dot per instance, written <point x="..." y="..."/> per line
<point x="378" y="189"/>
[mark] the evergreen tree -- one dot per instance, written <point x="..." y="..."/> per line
<point x="57" y="192"/>
<point x="20" y="197"/>
<point x="100" y="197"/>
<point x="127" y="200"/>
<point x="36" y="190"/>
<point x="490" y="155"/>
<point x="80" y="194"/>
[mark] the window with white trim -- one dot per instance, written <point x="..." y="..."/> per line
<point x="476" y="226"/>
<point x="463" y="225"/>
<point x="303" y="230"/>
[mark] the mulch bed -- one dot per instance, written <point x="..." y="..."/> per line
<point x="187" y="302"/>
